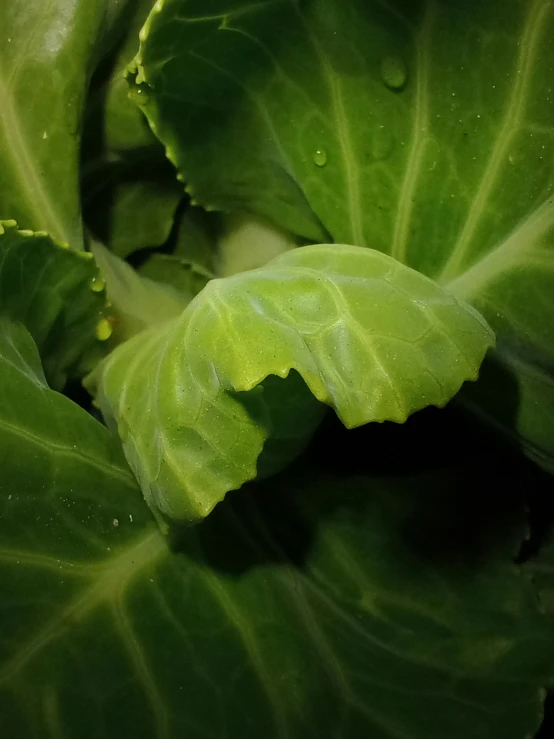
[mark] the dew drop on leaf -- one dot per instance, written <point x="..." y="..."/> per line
<point x="139" y="94"/>
<point x="320" y="157"/>
<point x="103" y="330"/>
<point x="394" y="72"/>
<point x="97" y="284"/>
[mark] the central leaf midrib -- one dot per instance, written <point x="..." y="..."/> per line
<point x="531" y="34"/>
<point x="52" y="447"/>
<point x="419" y="138"/>
<point x="506" y="255"/>
<point x="350" y="168"/>
<point x="112" y="579"/>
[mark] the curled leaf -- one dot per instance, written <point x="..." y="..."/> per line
<point x="195" y="400"/>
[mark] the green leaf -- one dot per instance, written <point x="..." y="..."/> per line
<point x="320" y="607"/>
<point x="49" y="445"/>
<point x="541" y="568"/>
<point x="186" y="277"/>
<point x="192" y="260"/>
<point x="216" y="244"/>
<point x="47" y="54"/>
<point x="370" y="337"/>
<point x="424" y="129"/>
<point x="135" y="302"/>
<point x="197" y="236"/>
<point x="55" y="292"/>
<point x="247" y="243"/>
<point x="130" y="208"/>
<point x="507" y="396"/>
<point x="110" y="114"/>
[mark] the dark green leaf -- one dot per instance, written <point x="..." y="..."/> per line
<point x="132" y="209"/>
<point x="186" y="277"/>
<point x="111" y="116"/>
<point x="320" y="608"/>
<point x="56" y="292"/>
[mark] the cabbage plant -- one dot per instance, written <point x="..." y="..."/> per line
<point x="276" y="369"/>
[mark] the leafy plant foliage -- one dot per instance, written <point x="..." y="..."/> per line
<point x="422" y="129"/>
<point x="250" y="250"/>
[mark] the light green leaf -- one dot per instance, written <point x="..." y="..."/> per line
<point x="222" y="244"/>
<point x="135" y="302"/>
<point x="47" y="54"/>
<point x="54" y="292"/>
<point x="247" y="243"/>
<point x="402" y="594"/>
<point x="424" y="129"/>
<point x="370" y="337"/>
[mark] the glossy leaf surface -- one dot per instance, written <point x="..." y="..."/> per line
<point x="423" y="129"/>
<point x="192" y="400"/>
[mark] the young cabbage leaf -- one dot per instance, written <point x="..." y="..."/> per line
<point x="216" y="245"/>
<point x="422" y="129"/>
<point x="193" y="399"/>
<point x="135" y="302"/>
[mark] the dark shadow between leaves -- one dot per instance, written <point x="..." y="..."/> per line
<point x="468" y="489"/>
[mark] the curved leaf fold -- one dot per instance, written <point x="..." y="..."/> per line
<point x="194" y="401"/>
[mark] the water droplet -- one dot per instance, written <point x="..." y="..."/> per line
<point x="140" y="94"/>
<point x="394" y="72"/>
<point x="320" y="157"/>
<point x="97" y="284"/>
<point x="104" y="330"/>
